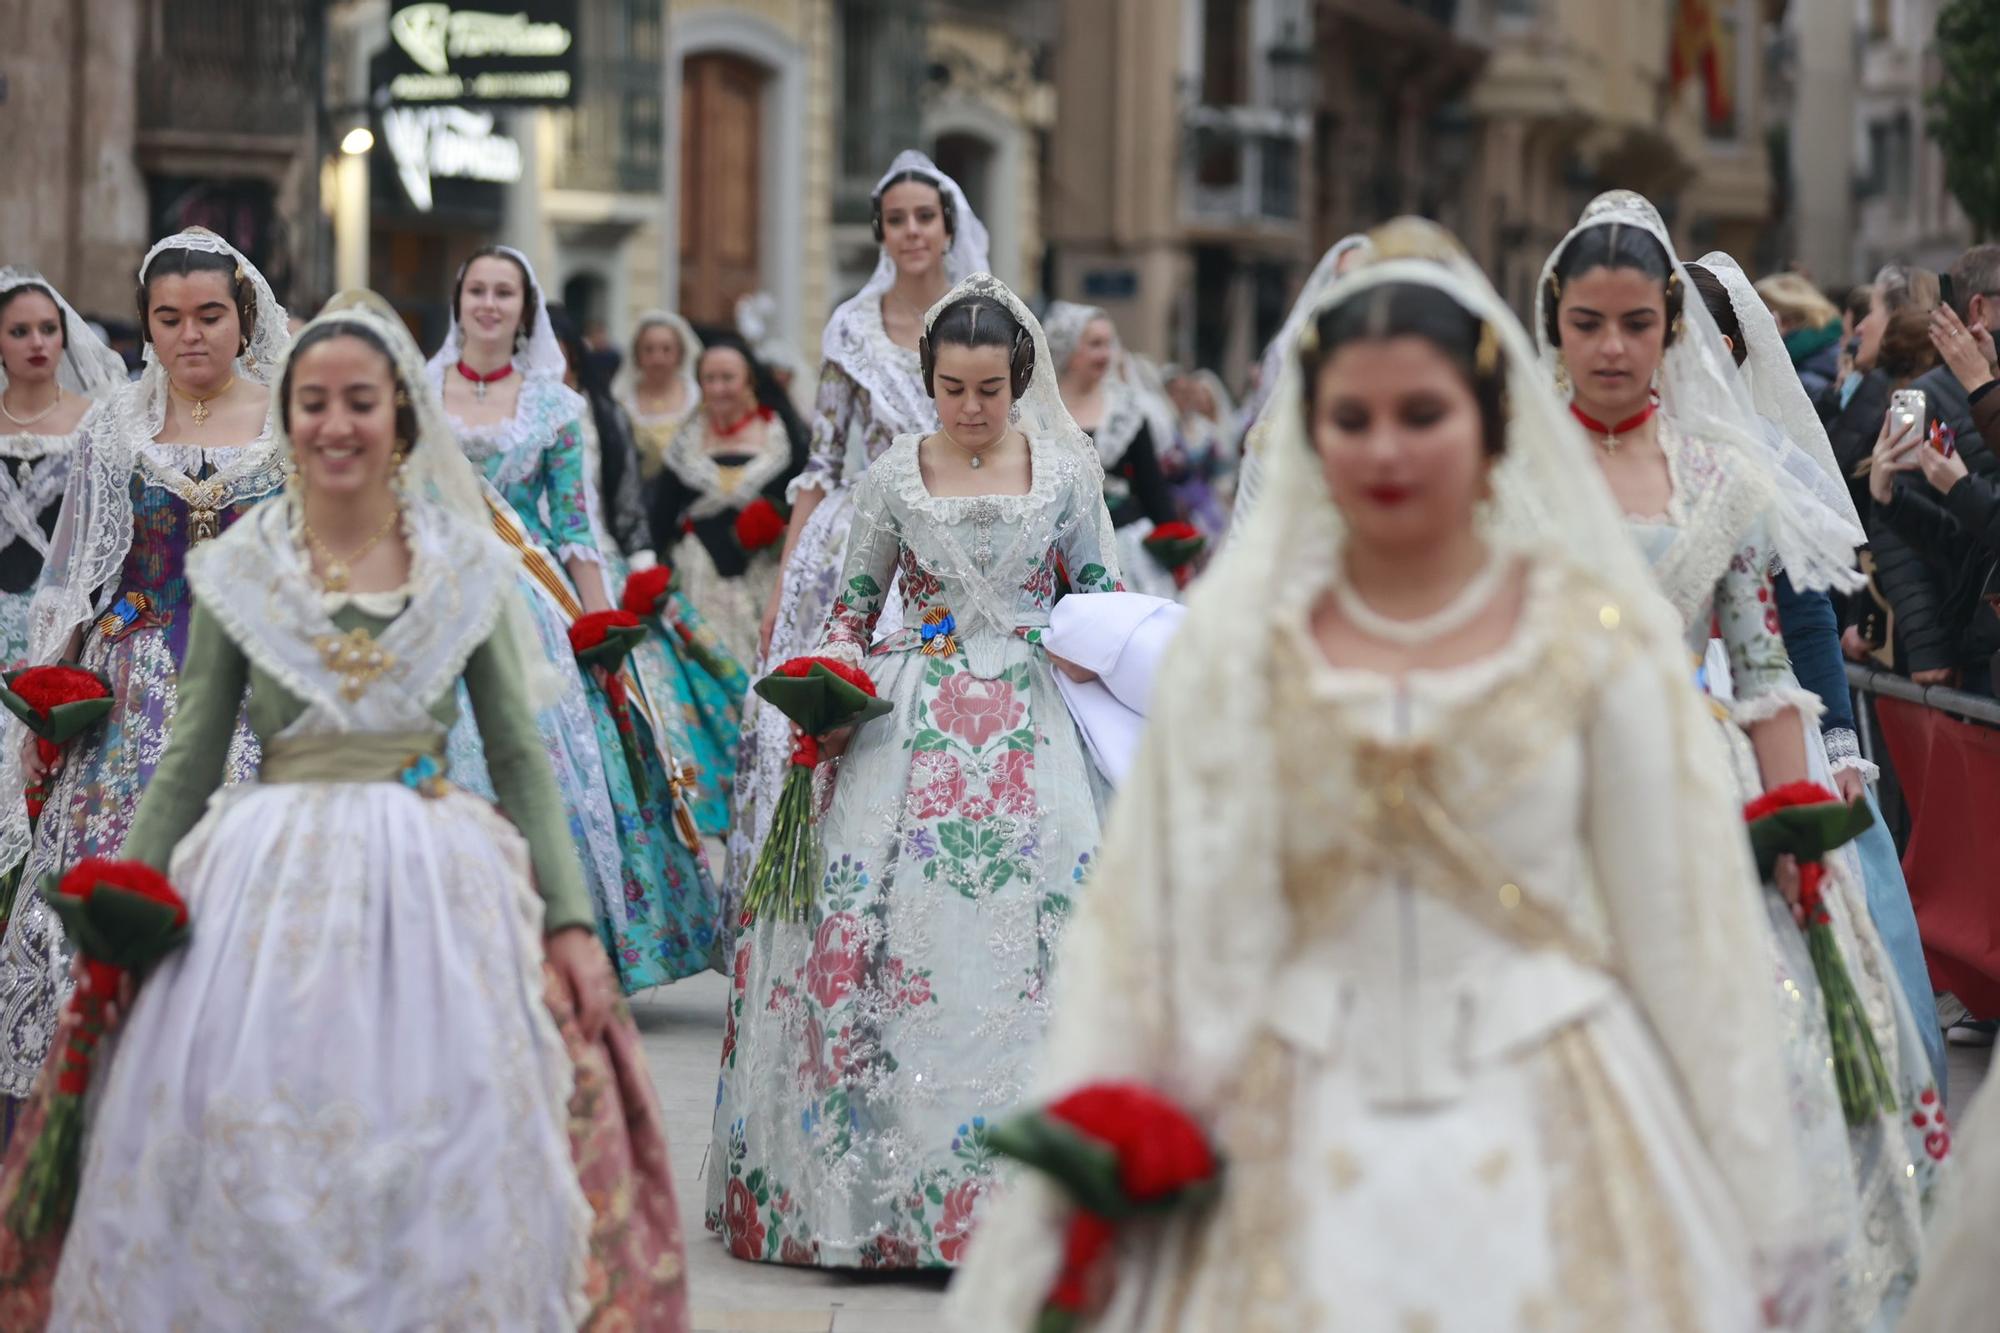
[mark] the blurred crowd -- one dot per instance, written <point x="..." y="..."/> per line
<point x="1902" y="372"/>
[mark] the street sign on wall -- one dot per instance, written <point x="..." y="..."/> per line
<point x="482" y="52"/>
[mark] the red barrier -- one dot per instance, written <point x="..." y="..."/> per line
<point x="1950" y="775"/>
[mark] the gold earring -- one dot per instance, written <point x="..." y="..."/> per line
<point x="1562" y="378"/>
<point x="1486" y="357"/>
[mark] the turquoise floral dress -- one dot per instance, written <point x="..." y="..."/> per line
<point x="656" y="905"/>
<point x="869" y="1047"/>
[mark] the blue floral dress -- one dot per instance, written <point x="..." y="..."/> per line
<point x="656" y="904"/>
<point x="868" y="1047"/>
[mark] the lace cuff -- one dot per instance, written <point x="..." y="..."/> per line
<point x="820" y="474"/>
<point x="842" y="650"/>
<point x="569" y="551"/>
<point x="1765" y="706"/>
<point x="1843" y="751"/>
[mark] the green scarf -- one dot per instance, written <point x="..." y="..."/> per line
<point x="1804" y="344"/>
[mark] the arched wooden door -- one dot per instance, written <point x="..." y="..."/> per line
<point x="722" y="167"/>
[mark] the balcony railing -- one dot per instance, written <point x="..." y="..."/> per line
<point x="1241" y="169"/>
<point x="231" y="69"/>
<point x="612" y="137"/>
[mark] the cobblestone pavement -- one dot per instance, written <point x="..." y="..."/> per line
<point x="682" y="1029"/>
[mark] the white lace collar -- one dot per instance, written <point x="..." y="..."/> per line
<point x="689" y="459"/>
<point x="1717" y="499"/>
<point x="892" y="374"/>
<point x="542" y="408"/>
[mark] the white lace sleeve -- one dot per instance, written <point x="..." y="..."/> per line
<point x="1843" y="751"/>
<point x="873" y="545"/>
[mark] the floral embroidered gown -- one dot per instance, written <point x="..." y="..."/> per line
<point x="697" y="696"/>
<point x="181" y="495"/>
<point x="852" y="427"/>
<point x="655" y="902"/>
<point x="868" y="1048"/>
<point x="1872" y="1183"/>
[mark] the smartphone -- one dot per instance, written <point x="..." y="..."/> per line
<point x="1944" y="290"/>
<point x="1907" y="409"/>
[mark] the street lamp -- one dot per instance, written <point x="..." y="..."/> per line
<point x="357" y="141"/>
<point x="350" y="208"/>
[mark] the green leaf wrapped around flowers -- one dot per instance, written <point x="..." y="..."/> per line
<point x="1807" y="831"/>
<point x="606" y="638"/>
<point x="820" y="695"/>
<point x="57" y="702"/>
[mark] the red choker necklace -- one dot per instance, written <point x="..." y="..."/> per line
<point x="1609" y="434"/>
<point x="759" y="413"/>
<point x="480" y="381"/>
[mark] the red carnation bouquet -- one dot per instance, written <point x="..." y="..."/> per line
<point x="820" y="695"/>
<point x="1120" y="1151"/>
<point x="602" y="640"/>
<point x="761" y="524"/>
<point x="1176" y="546"/>
<point x="1806" y="821"/>
<point x="649" y="595"/>
<point x="122" y="916"/>
<point x="57" y="703"/>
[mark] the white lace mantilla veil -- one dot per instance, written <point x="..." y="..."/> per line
<point x="1042" y="415"/>
<point x="1132" y="395"/>
<point x="854" y="340"/>
<point x="691" y="350"/>
<point x="437" y="470"/>
<point x="1250" y="474"/>
<point x="1701" y="394"/>
<point x="1164" y="971"/>
<point x="542" y="357"/>
<point x="88" y="367"/>
<point x="1769" y="386"/>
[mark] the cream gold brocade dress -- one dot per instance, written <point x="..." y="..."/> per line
<point x="1456" y="1116"/>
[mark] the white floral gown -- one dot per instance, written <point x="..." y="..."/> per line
<point x="868" y="1048"/>
<point x="1872" y="1183"/>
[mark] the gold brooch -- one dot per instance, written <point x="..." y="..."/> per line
<point x="356" y="658"/>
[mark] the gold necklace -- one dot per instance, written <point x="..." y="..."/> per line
<point x="199" y="414"/>
<point x="337" y="570"/>
<point x="29" y="421"/>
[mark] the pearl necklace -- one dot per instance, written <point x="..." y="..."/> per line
<point x="1453" y="616"/>
<point x="29" y="421"/>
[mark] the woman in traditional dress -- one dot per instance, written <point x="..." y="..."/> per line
<point x="1106" y="394"/>
<point x="662" y="392"/>
<point x="870" y="392"/>
<point x="1202" y="463"/>
<point x="1341" y="256"/>
<point x="369" y="941"/>
<point x="1691" y="471"/>
<point x="869" y="1045"/>
<point x="1492" y="1053"/>
<point x="1807" y="618"/>
<point x="732" y="453"/>
<point x="54" y="373"/>
<point x="169" y="462"/>
<point x="500" y="378"/>
<point x="610" y="455"/>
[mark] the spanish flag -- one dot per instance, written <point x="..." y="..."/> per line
<point x="1699" y="46"/>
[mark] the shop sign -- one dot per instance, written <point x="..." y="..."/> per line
<point x="449" y="143"/>
<point x="518" y="54"/>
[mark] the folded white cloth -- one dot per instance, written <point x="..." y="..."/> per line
<point x="1121" y="636"/>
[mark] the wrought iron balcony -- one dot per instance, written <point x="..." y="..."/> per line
<point x="612" y="137"/>
<point x="226" y="69"/>
<point x="1241" y="168"/>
